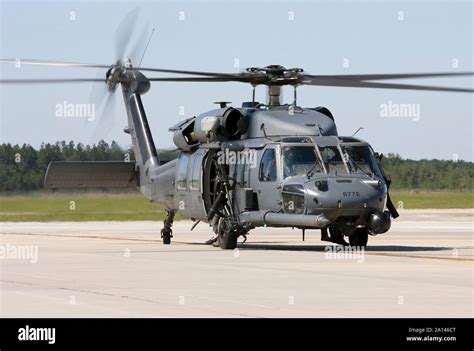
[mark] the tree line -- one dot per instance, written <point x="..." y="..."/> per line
<point x="22" y="168"/>
<point x="429" y="174"/>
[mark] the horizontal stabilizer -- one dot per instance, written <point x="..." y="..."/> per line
<point x="91" y="174"/>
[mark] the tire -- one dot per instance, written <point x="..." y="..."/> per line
<point x="227" y="239"/>
<point x="359" y="238"/>
<point x="336" y="236"/>
<point x="166" y="236"/>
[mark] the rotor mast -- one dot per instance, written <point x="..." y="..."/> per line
<point x="273" y="95"/>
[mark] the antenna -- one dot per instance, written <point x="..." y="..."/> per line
<point x="262" y="128"/>
<point x="146" y="47"/>
<point x="357" y="131"/>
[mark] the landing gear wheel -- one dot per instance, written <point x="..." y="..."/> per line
<point x="336" y="235"/>
<point x="359" y="238"/>
<point x="166" y="235"/>
<point x="227" y="238"/>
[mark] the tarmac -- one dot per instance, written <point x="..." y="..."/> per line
<point x="423" y="267"/>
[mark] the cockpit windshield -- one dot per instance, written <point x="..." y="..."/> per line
<point x="343" y="158"/>
<point x="332" y="159"/>
<point x="360" y="159"/>
<point x="299" y="160"/>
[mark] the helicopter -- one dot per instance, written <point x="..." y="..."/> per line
<point x="271" y="164"/>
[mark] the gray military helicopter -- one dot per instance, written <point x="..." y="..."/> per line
<point x="271" y="164"/>
<point x="259" y="164"/>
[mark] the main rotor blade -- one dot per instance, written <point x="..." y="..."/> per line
<point x="196" y="73"/>
<point x="388" y="76"/>
<point x="52" y="63"/>
<point x="85" y="80"/>
<point x="92" y="65"/>
<point x="360" y="84"/>
<point x="50" y="81"/>
<point x="199" y="79"/>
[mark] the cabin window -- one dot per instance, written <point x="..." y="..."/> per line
<point x="182" y="172"/>
<point x="268" y="170"/>
<point x="239" y="174"/>
<point x="196" y="172"/>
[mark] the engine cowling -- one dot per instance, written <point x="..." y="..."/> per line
<point x="218" y="125"/>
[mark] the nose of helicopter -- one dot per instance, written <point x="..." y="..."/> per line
<point x="344" y="196"/>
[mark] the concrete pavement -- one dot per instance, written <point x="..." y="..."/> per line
<point x="422" y="268"/>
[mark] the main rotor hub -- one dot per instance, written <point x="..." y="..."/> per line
<point x="275" y="76"/>
<point x="275" y="70"/>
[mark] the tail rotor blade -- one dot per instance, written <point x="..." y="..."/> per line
<point x="135" y="52"/>
<point x="104" y="117"/>
<point x="124" y="34"/>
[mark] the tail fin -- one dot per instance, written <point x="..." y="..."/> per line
<point x="143" y="146"/>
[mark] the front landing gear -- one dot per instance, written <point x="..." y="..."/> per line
<point x="227" y="234"/>
<point x="335" y="235"/>
<point x="359" y="238"/>
<point x="166" y="232"/>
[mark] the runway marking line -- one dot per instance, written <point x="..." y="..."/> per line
<point x="437" y="258"/>
<point x="373" y="253"/>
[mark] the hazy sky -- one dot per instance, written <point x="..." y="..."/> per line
<point x="342" y="37"/>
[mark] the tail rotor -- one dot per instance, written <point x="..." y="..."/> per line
<point x="127" y="51"/>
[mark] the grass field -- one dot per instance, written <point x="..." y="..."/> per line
<point x="422" y="200"/>
<point x="78" y="207"/>
<point x="128" y="207"/>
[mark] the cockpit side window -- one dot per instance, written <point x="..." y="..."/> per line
<point x="268" y="170"/>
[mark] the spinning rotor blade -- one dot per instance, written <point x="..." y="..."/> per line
<point x="139" y="46"/>
<point x="124" y="33"/>
<point x="105" y="115"/>
<point x="99" y="95"/>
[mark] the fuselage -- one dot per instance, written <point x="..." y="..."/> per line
<point x="338" y="177"/>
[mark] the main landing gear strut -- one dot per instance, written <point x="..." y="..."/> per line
<point x="167" y="232"/>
